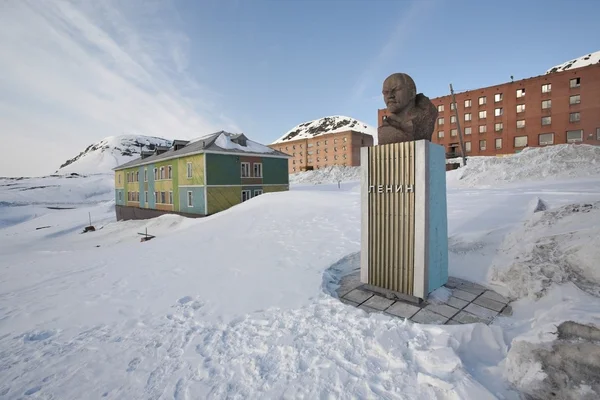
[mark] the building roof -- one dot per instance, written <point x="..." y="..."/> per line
<point x="218" y="142"/>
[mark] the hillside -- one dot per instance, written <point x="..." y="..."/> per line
<point x="583" y="61"/>
<point x="324" y="126"/>
<point x="103" y="156"/>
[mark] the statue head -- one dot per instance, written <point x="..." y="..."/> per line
<point x="399" y="90"/>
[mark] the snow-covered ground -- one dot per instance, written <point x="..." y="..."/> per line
<point x="241" y="304"/>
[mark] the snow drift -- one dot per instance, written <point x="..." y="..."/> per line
<point x="561" y="161"/>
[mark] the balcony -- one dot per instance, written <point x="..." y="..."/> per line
<point x="453" y="154"/>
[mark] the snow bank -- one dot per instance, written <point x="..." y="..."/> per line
<point x="552" y="247"/>
<point x="331" y="174"/>
<point x="532" y="164"/>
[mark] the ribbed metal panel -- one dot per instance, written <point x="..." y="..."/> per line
<point x="392" y="216"/>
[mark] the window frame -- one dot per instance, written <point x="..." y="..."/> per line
<point x="247" y="197"/>
<point x="545" y="144"/>
<point x="245" y="166"/>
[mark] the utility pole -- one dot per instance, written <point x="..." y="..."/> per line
<point x="460" y="137"/>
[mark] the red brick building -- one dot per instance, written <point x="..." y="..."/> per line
<point x="340" y="148"/>
<point x="559" y="107"/>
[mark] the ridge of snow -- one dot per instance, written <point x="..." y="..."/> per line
<point x="101" y="157"/>
<point x="326" y="125"/>
<point x="554" y="162"/>
<point x="583" y="61"/>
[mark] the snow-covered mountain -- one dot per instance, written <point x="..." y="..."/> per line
<point x="583" y="61"/>
<point x="103" y="156"/>
<point x="333" y="124"/>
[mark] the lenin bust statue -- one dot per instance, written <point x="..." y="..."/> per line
<point x="411" y="116"/>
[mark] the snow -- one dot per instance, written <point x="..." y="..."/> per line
<point x="530" y="165"/>
<point x="110" y="152"/>
<point x="326" y="125"/>
<point x="583" y="61"/>
<point x="191" y="315"/>
<point x="224" y="141"/>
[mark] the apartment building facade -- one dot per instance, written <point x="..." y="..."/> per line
<point x="338" y="148"/>
<point x="199" y="178"/>
<point x="559" y="107"/>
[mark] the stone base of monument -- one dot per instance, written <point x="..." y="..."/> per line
<point x="462" y="302"/>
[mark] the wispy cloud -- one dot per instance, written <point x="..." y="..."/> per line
<point x="75" y="72"/>
<point x="410" y="22"/>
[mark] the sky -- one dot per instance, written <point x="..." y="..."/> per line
<point x="75" y="72"/>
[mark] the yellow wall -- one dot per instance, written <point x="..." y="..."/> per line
<point x="119" y="175"/>
<point x="277" y="188"/>
<point x="221" y="198"/>
<point x="197" y="170"/>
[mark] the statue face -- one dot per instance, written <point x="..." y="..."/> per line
<point x="396" y="94"/>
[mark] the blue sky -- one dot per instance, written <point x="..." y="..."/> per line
<point x="76" y="72"/>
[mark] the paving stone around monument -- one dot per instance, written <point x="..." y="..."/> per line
<point x="468" y="303"/>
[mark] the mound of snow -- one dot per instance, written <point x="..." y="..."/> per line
<point x="331" y="174"/>
<point x="110" y="152"/>
<point x="326" y="125"/>
<point x="532" y="164"/>
<point x="583" y="61"/>
<point x="553" y="247"/>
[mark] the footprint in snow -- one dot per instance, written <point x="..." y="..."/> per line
<point x="185" y="300"/>
<point x="33" y="390"/>
<point x="133" y="364"/>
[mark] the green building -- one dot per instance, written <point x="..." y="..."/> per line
<point x="198" y="178"/>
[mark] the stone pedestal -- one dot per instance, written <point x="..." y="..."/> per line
<point x="404" y="244"/>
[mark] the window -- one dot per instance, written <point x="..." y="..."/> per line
<point x="546" y="104"/>
<point x="520" y="108"/>
<point x="245" y="170"/>
<point x="441" y="108"/>
<point x="468" y="130"/>
<point x="498" y="126"/>
<point x="468" y="147"/>
<point x="574" y="83"/>
<point x="498" y="112"/>
<point x="146" y="196"/>
<point x="576" y="99"/>
<point x="453" y="119"/>
<point x="498" y="97"/>
<point x="171" y="197"/>
<point x="155" y="197"/>
<point x="310" y="153"/>
<point x="452" y="106"/>
<point x="120" y="196"/>
<point x="498" y="143"/>
<point x="119" y="178"/>
<point x="575" y="136"/>
<point x="547" y="88"/>
<point x="137" y="176"/>
<point x="245" y="195"/>
<point x="189" y="170"/>
<point x="345" y="139"/>
<point x="335" y="149"/>
<point x="482" y="100"/>
<point x="440" y="134"/>
<point x="318" y="144"/>
<point x="258" y="169"/>
<point x="597" y="133"/>
<point x="482" y="145"/>
<point x="482" y="114"/>
<point x="163" y="197"/>
<point x="521" y="123"/>
<point x="482" y="128"/>
<point x="453" y="132"/>
<point x="326" y="142"/>
<point x="190" y="199"/>
<point x="145" y="174"/>
<point x="257" y="192"/>
<point x="520" y="141"/>
<point x="520" y="93"/>
<point x="309" y="145"/>
<point x="546" y="138"/>
<point x="467" y="116"/>
<point x="441" y="121"/>
<point x="467" y="103"/>
<point x="335" y="157"/>
<point x="127" y="176"/>
<point x="574" y="117"/>
<point x="162" y="172"/>
<point x="546" y="120"/>
<point x="155" y="174"/>
<point x="170" y="172"/>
